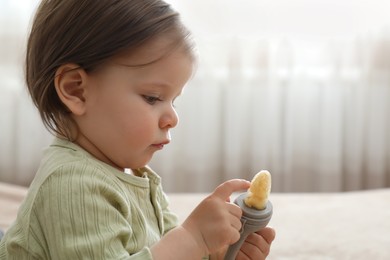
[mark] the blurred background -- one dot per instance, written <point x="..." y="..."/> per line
<point x="301" y="88"/>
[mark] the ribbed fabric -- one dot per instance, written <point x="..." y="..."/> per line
<point x="80" y="208"/>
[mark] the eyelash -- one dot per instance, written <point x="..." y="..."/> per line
<point x="151" y="100"/>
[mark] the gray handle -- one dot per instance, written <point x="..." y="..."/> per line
<point x="252" y="220"/>
<point x="233" y="249"/>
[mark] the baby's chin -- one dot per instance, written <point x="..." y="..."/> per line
<point x="139" y="164"/>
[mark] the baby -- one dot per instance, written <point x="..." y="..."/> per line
<point x="104" y="76"/>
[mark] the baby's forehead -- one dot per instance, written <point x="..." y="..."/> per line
<point x="152" y="50"/>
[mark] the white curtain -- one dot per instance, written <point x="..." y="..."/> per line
<point x="299" y="88"/>
<point x="324" y="127"/>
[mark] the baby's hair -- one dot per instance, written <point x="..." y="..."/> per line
<point x="88" y="33"/>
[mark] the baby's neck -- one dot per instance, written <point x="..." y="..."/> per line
<point x="129" y="171"/>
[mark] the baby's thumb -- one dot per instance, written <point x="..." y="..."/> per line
<point x="226" y="189"/>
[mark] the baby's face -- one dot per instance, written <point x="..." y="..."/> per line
<point x="129" y="110"/>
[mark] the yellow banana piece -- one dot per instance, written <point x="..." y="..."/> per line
<point x="259" y="190"/>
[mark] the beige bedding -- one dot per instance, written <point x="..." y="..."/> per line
<point x="315" y="226"/>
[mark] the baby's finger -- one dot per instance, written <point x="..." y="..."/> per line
<point x="250" y="251"/>
<point x="236" y="223"/>
<point x="234" y="210"/>
<point x="268" y="234"/>
<point x="227" y="188"/>
<point x="256" y="244"/>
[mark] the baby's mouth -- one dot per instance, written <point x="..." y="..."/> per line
<point x="161" y="145"/>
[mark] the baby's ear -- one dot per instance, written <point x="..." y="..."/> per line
<point x="70" y="83"/>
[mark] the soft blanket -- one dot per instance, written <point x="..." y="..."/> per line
<point x="309" y="226"/>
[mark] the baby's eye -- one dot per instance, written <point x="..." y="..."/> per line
<point x="150" y="99"/>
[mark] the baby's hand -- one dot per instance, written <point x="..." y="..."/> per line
<point x="215" y="222"/>
<point x="257" y="245"/>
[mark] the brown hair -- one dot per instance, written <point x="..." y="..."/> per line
<point x="88" y="33"/>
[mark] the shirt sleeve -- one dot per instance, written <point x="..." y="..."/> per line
<point x="84" y="216"/>
<point x="169" y="217"/>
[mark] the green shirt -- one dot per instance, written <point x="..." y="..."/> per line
<point x="78" y="207"/>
